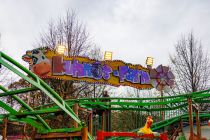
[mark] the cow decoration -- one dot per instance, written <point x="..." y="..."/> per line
<point x="39" y="64"/>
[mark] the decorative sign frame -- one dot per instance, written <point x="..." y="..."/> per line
<point x="47" y="64"/>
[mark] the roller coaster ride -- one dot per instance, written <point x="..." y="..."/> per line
<point x="175" y="106"/>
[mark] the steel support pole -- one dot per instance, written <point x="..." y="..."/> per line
<point x="162" y="113"/>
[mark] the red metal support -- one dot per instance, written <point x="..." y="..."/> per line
<point x="101" y="135"/>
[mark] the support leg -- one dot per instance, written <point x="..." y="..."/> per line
<point x="4" y="131"/>
<point x="198" y="125"/>
<point x="85" y="133"/>
<point x="190" y="118"/>
<point x="91" y="123"/>
<point x="76" y="108"/>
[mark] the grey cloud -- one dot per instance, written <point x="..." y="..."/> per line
<point x="132" y="29"/>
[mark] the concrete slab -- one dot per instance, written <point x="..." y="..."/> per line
<point x="205" y="131"/>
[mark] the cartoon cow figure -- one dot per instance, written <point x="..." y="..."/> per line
<point x="38" y="62"/>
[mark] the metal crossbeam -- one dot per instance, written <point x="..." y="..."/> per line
<point x="7" y="108"/>
<point x="15" y="92"/>
<point x="172" y="102"/>
<point x="38" y="112"/>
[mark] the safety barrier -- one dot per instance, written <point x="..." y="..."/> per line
<point x="102" y="134"/>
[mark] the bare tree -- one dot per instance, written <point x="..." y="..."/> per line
<point x="191" y="65"/>
<point x="70" y="32"/>
<point x="6" y="78"/>
<point x="3" y="70"/>
<point x="67" y="31"/>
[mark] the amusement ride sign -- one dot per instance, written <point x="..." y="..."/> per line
<point x="47" y="64"/>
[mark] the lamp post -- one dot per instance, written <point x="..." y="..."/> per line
<point x="149" y="63"/>
<point x="107" y="56"/>
<point x="106" y="115"/>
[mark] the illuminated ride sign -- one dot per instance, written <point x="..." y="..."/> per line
<point x="47" y="64"/>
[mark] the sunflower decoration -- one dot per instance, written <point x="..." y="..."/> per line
<point x="162" y="78"/>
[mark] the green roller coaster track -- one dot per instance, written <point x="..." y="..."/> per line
<point x="32" y="116"/>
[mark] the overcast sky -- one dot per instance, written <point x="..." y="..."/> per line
<point x="131" y="29"/>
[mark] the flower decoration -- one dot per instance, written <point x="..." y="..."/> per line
<point x="162" y="78"/>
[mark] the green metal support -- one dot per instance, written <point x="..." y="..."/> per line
<point x="134" y="104"/>
<point x="7" y="108"/>
<point x="31" y="116"/>
<point x="26" y="106"/>
<point x="41" y="111"/>
<point x="63" y="130"/>
<point x="24" y="120"/>
<point x="15" y="92"/>
<point x="172" y="102"/>
<point x="37" y="82"/>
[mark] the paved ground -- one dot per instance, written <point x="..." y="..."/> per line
<point x="205" y="131"/>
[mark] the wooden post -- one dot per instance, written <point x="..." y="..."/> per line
<point x="33" y="133"/>
<point x="190" y="117"/>
<point x="181" y="125"/>
<point x="103" y="121"/>
<point x="85" y="133"/>
<point x="4" y="131"/>
<point x="198" y="124"/>
<point x="76" y="108"/>
<point x="91" y="123"/>
<point x="24" y="129"/>
<point x="108" y="120"/>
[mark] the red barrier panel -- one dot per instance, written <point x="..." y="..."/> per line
<point x="101" y="135"/>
